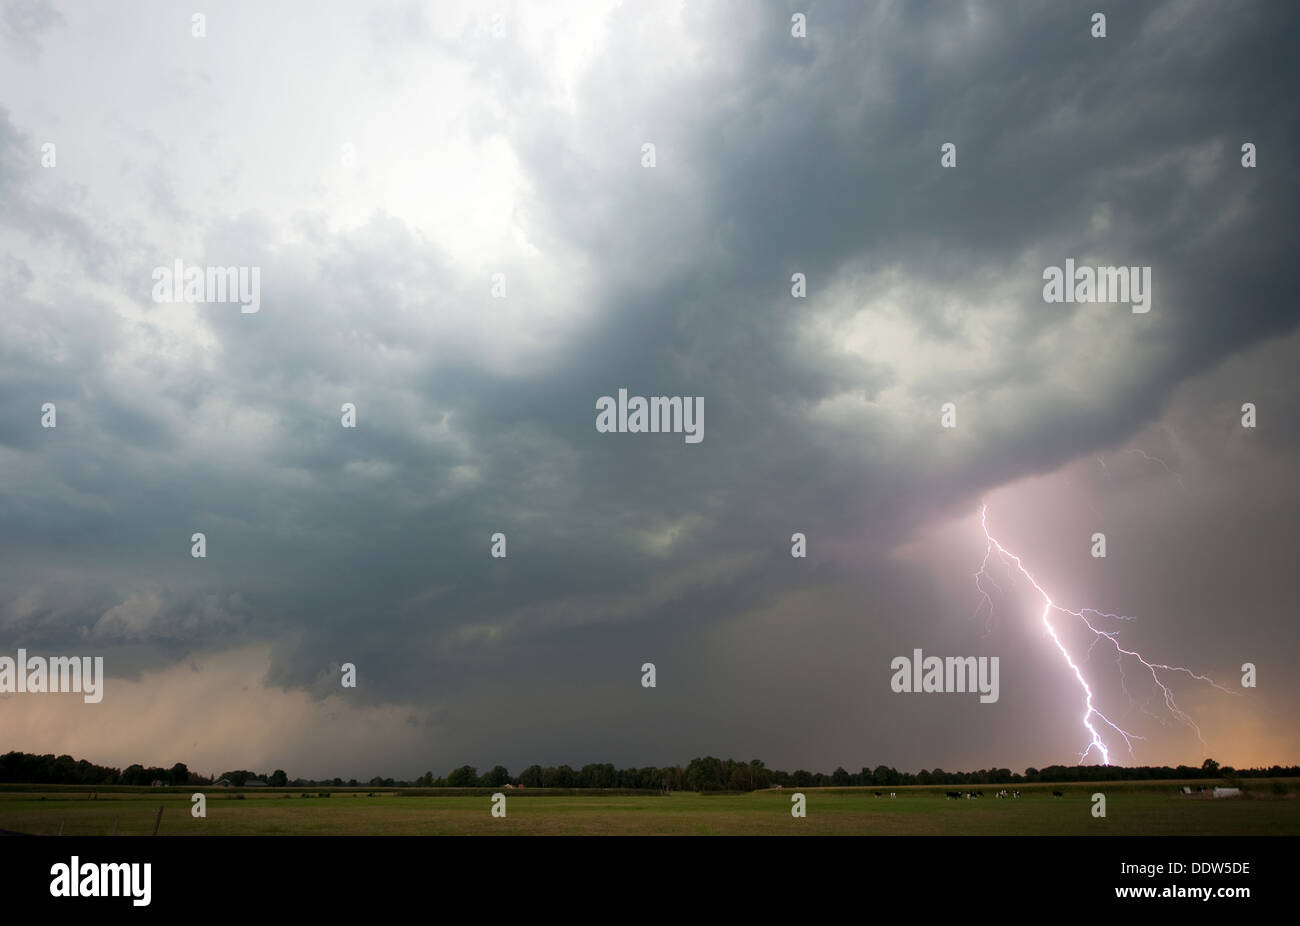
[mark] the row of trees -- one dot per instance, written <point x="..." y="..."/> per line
<point x="28" y="768"/>
<point x="711" y="774"/>
<point x="64" y="770"/>
<point x="701" y="774"/>
<point x="240" y="777"/>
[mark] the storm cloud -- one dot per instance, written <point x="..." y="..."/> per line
<point x="381" y="166"/>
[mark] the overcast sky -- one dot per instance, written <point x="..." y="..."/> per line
<point x="381" y="162"/>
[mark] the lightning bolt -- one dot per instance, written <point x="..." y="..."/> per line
<point x="1149" y="458"/>
<point x="1093" y="720"/>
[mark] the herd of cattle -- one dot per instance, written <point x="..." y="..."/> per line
<point x="975" y="795"/>
<point x="971" y="795"/>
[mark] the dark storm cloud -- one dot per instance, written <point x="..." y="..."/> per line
<point x="774" y="156"/>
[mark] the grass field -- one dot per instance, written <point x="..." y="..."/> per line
<point x="1147" y="808"/>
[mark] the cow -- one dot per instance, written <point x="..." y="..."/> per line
<point x="892" y="794"/>
<point x="876" y="793"/>
<point x="1058" y="794"/>
<point x="952" y="795"/>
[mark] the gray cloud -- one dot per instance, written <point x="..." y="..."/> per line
<point x="476" y="414"/>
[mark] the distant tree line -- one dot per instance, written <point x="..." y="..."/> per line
<point x="27" y="768"/>
<point x="711" y="774"/>
<point x="701" y="774"/>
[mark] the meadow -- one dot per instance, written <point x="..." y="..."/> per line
<point x="1133" y="808"/>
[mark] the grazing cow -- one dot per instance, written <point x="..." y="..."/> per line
<point x="1058" y="794"/>
<point x="952" y="795"/>
<point x="892" y="794"/>
<point x="979" y="793"/>
<point x="1015" y="793"/>
<point x="876" y="793"/>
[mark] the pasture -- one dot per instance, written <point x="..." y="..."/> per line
<point x="1133" y="808"/>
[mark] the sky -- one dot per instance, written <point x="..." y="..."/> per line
<point x="387" y="166"/>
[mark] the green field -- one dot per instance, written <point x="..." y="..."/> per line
<point x="1146" y="808"/>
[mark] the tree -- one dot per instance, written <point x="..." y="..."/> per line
<point x="597" y="775"/>
<point x="497" y="777"/>
<point x="1210" y="768"/>
<point x="565" y="777"/>
<point x="278" y="779"/>
<point x="704" y="774"/>
<point x="179" y="774"/>
<point x="464" y="777"/>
